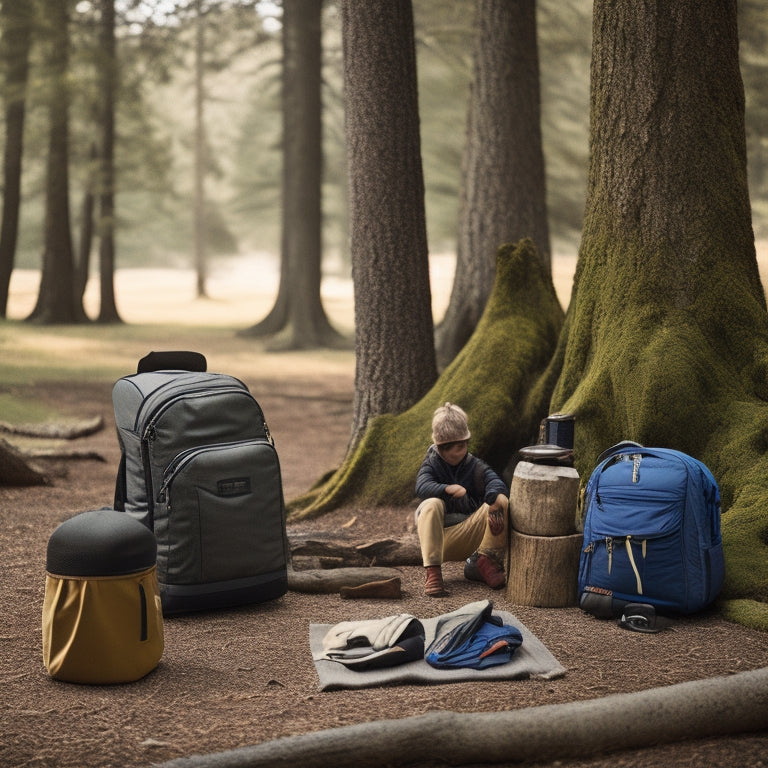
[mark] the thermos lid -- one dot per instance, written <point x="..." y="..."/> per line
<point x="101" y="542"/>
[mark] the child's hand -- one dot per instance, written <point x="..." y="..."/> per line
<point x="495" y="521"/>
<point x="496" y="513"/>
<point x="455" y="490"/>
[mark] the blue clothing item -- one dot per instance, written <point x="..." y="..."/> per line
<point x="472" y="636"/>
<point x="482" y="483"/>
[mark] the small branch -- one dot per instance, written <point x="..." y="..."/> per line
<point x="56" y="453"/>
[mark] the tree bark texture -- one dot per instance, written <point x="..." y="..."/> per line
<point x="666" y="338"/>
<point x="503" y="193"/>
<point x="57" y="300"/>
<point x="16" y="30"/>
<point x="394" y="346"/>
<point x="543" y="499"/>
<point x="199" y="208"/>
<point x="298" y="319"/>
<point x="543" y="570"/>
<point x="108" y="308"/>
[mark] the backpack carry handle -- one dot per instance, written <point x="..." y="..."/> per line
<point x="615" y="450"/>
<point x="173" y="361"/>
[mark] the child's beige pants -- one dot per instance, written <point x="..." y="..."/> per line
<point x="440" y="544"/>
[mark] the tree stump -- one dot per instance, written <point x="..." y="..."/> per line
<point x="543" y="570"/>
<point x="544" y="543"/>
<point x="542" y="499"/>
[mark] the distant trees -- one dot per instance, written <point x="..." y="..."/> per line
<point x="16" y="32"/>
<point x="108" y="86"/>
<point x="503" y="191"/>
<point x="298" y="320"/>
<point x="58" y="300"/>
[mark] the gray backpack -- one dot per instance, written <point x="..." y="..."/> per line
<point x="199" y="468"/>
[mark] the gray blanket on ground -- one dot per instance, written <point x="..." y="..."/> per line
<point x="532" y="659"/>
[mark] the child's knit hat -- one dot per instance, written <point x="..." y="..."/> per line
<point x="449" y="424"/>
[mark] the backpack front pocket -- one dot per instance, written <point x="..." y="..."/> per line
<point x="223" y="508"/>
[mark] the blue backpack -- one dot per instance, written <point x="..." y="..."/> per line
<point x="651" y="532"/>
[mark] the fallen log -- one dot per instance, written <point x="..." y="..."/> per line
<point x="700" y="709"/>
<point x="386" y="552"/>
<point x="320" y="581"/>
<point x="57" y="431"/>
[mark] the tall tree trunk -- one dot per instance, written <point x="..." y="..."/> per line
<point x="666" y="338"/>
<point x="57" y="301"/>
<point x="201" y="154"/>
<point x="108" y="309"/>
<point x="15" y="22"/>
<point x="503" y="195"/>
<point x="298" y="320"/>
<point x="85" y="241"/>
<point x="494" y="374"/>
<point x="394" y="346"/>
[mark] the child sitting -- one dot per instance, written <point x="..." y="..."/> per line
<point x="464" y="507"/>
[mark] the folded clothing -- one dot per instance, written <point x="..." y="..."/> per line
<point x="374" y="643"/>
<point x="471" y="636"/>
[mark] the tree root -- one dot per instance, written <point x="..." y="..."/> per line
<point x="55" y="430"/>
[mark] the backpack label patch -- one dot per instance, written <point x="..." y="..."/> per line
<point x="236" y="486"/>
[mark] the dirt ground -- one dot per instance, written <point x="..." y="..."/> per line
<point x="241" y="677"/>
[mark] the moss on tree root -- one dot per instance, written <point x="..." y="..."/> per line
<point x="492" y="378"/>
<point x="681" y="367"/>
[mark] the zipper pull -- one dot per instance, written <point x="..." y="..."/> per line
<point x="636" y="459"/>
<point x="609" y="550"/>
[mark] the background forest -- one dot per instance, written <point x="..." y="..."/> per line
<point x="241" y="120"/>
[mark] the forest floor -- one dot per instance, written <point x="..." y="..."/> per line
<point x="242" y="677"/>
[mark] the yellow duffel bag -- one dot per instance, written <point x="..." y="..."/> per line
<point x="102" y="617"/>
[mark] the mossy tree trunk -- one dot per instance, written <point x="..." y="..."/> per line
<point x="503" y="194"/>
<point x="495" y="378"/>
<point x="666" y="338"/>
<point x="394" y="341"/>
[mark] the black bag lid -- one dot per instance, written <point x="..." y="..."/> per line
<point x="102" y="542"/>
<point x="547" y="453"/>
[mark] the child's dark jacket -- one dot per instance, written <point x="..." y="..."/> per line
<point x="481" y="482"/>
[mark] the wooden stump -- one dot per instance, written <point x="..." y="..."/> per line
<point x="543" y="499"/>
<point x="543" y="570"/>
